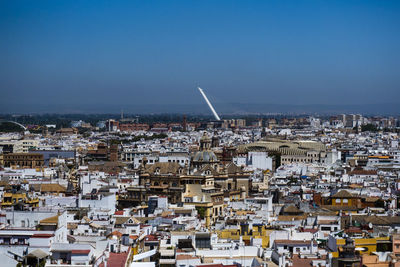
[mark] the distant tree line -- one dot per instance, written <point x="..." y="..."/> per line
<point x="64" y="120"/>
<point x="369" y="128"/>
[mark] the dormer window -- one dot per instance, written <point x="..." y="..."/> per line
<point x="180" y="170"/>
<point x="157" y="171"/>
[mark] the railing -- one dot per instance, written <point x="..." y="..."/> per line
<point x="55" y="263"/>
<point x="129" y="258"/>
<point x="67" y="265"/>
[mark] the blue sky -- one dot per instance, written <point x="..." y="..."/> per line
<point x="155" y="52"/>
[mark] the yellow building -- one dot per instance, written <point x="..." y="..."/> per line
<point x="11" y="199"/>
<point x="258" y="231"/>
<point x="206" y="210"/>
<point x="363" y="245"/>
<point x="235" y="195"/>
<point x="208" y="201"/>
<point x="344" y="198"/>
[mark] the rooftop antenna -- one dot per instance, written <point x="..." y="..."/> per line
<point x="209" y="104"/>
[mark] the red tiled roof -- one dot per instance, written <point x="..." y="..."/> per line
<point x="117" y="259"/>
<point x="80" y="251"/>
<point x="42" y="235"/>
<point x="310" y="230"/>
<point x="353" y="230"/>
<point x="299" y="262"/>
<point x="151" y="238"/>
<point x="134" y="237"/>
<point x="185" y="257"/>
<point x="119" y="212"/>
<point x="116" y="233"/>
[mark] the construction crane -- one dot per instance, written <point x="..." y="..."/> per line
<point x="209" y="104"/>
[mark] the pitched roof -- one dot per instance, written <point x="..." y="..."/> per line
<point x="163" y="167"/>
<point x="85" y="219"/>
<point x="72" y="226"/>
<point x="343" y="194"/>
<point x="232" y="168"/>
<point x="52" y="188"/>
<point x="206" y="167"/>
<point x="115" y="233"/>
<point x="338" y="208"/>
<point x="291" y="209"/>
<point x="371" y="199"/>
<point x="121" y="219"/>
<point x="50" y="221"/>
<point x="286" y="218"/>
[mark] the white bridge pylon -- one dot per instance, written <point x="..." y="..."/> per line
<point x="209" y="104"/>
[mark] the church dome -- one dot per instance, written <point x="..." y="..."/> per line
<point x="205" y="156"/>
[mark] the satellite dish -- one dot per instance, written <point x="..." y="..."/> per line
<point x="370" y="225"/>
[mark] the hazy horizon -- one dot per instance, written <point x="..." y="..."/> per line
<point x="227" y="109"/>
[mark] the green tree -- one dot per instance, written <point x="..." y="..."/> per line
<point x="201" y="211"/>
<point x="369" y="128"/>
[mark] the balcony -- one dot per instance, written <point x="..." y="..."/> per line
<point x="63" y="263"/>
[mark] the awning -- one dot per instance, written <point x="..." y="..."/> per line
<point x="38" y="253"/>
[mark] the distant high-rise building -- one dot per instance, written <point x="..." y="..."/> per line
<point x="184" y="123"/>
